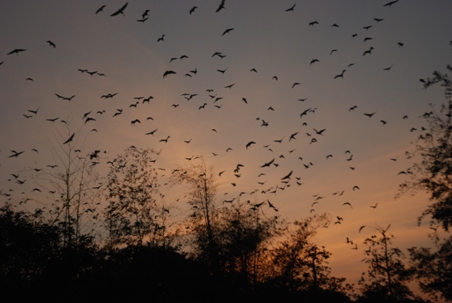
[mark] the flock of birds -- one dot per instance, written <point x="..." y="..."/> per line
<point x="273" y="176"/>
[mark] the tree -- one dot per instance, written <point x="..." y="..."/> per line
<point x="433" y="174"/>
<point x="244" y="235"/>
<point x="434" y="269"/>
<point x="299" y="263"/>
<point x="72" y="182"/>
<point x="386" y="274"/>
<point x="135" y="214"/>
<point x="202" y="188"/>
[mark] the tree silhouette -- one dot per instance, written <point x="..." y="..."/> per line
<point x="203" y="220"/>
<point x="432" y="173"/>
<point x="386" y="274"/>
<point x="299" y="263"/>
<point x="433" y="270"/>
<point x="244" y="236"/>
<point x="134" y="215"/>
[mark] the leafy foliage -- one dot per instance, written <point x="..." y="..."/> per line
<point x="134" y="215"/>
<point x="432" y="173"/>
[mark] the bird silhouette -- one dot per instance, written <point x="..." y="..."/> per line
<point x="168" y="72"/>
<point x="291" y="9"/>
<point x="314" y="61"/>
<point x="370" y="114"/>
<point x="369" y="51"/>
<point x="16" y="51"/>
<point x="100" y="9"/>
<point x="120" y="11"/>
<point x="15" y="154"/>
<point x="389" y="4"/>
<point x="313" y="23"/>
<point x="69" y="139"/>
<point x="227" y="31"/>
<point x="51" y="43"/>
<point x="152" y="132"/>
<point x="249" y="144"/>
<point x="220" y="7"/>
<point x="192" y="10"/>
<point x="341" y="75"/>
<point x="268" y="163"/>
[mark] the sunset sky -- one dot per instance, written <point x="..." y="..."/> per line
<point x="264" y="73"/>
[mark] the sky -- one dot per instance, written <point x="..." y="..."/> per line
<point x="304" y="73"/>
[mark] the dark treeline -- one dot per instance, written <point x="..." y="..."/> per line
<point x="220" y="251"/>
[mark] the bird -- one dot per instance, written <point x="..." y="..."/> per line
<point x="388" y="68"/>
<point x="162" y="38"/>
<point x="16" y="51"/>
<point x="313" y="23"/>
<point x="152" y="132"/>
<point x="15" y="154"/>
<point x="361" y="228"/>
<point x="292" y="136"/>
<point x="295" y="84"/>
<point x="120" y="11"/>
<point x="287" y="176"/>
<point x="192" y="10"/>
<point x="291" y="9"/>
<point x="370" y="114"/>
<point x="249" y="144"/>
<point x="378" y="20"/>
<point x="165" y="140"/>
<point x="348" y="203"/>
<point x="227" y="31"/>
<point x="220" y="7"/>
<point x="341" y="75"/>
<point x="100" y="9"/>
<point x="369" y="51"/>
<point x="51" y="43"/>
<point x="168" y="72"/>
<point x="65" y="98"/>
<point x="389" y="4"/>
<point x="355" y="187"/>
<point x="69" y="139"/>
<point x="267" y="164"/>
<point x="320" y="132"/>
<point x="314" y="61"/>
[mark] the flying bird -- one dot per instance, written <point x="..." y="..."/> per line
<point x="100" y="9"/>
<point x="192" y="10"/>
<point x="287" y="176"/>
<point x="69" y="139"/>
<point x="15" y="153"/>
<point x="268" y="163"/>
<point x="120" y="11"/>
<point x="221" y="6"/>
<point x="16" y="51"/>
<point x="168" y="72"/>
<point x="389" y="4"/>
<point x="249" y="144"/>
<point x="227" y="31"/>
<point x="51" y="43"/>
<point x="290" y="9"/>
